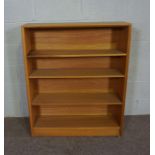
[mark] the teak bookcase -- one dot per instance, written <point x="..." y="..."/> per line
<point x="76" y="77"/>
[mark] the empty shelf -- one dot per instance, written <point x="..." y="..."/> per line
<point x="76" y="125"/>
<point x="76" y="99"/>
<point x="75" y="53"/>
<point x="75" y="73"/>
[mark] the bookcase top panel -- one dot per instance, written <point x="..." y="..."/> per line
<point x="78" y="25"/>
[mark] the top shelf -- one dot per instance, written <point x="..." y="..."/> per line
<point x="79" y="25"/>
<point x="74" y="53"/>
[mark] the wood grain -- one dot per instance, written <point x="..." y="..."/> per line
<point x="79" y="63"/>
<point x="74" y="53"/>
<point x="76" y="77"/>
<point x="77" y="73"/>
<point x="101" y="85"/>
<point x="76" y="99"/>
<point x="75" y="25"/>
<point x="73" y="39"/>
<point x="126" y="45"/>
<point x="76" y="126"/>
<point x="79" y="109"/>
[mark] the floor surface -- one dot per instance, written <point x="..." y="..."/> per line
<point x="135" y="140"/>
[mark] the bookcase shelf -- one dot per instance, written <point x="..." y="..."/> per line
<point x="76" y="77"/>
<point x="74" y="53"/>
<point x="76" y="125"/>
<point x="76" y="99"/>
<point x="76" y="73"/>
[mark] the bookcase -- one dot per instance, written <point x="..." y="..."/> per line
<point x="76" y="77"/>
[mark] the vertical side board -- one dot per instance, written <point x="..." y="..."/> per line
<point x="125" y="78"/>
<point x="26" y="47"/>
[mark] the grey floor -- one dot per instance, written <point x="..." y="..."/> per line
<point x="135" y="140"/>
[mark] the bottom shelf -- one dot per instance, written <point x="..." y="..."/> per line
<point x="76" y="126"/>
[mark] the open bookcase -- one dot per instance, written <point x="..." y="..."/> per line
<point x="76" y="76"/>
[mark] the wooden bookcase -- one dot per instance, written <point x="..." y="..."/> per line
<point x="76" y="75"/>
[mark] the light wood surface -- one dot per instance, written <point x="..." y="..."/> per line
<point x="76" y="126"/>
<point x="77" y="73"/>
<point x="78" y="109"/>
<point x="126" y="45"/>
<point x="75" y="39"/>
<point x="76" y="99"/>
<point x="107" y="62"/>
<point x="76" y="77"/>
<point x="76" y="121"/>
<point x="86" y="85"/>
<point x="26" y="47"/>
<point x="74" y="25"/>
<point x="75" y="53"/>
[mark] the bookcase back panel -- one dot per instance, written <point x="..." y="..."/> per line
<point x="79" y="110"/>
<point x="77" y="38"/>
<point x="61" y="85"/>
<point x="79" y="85"/>
<point x="60" y="63"/>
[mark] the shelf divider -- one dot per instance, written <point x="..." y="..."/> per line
<point x="75" y="73"/>
<point x="76" y="99"/>
<point x="74" y="53"/>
